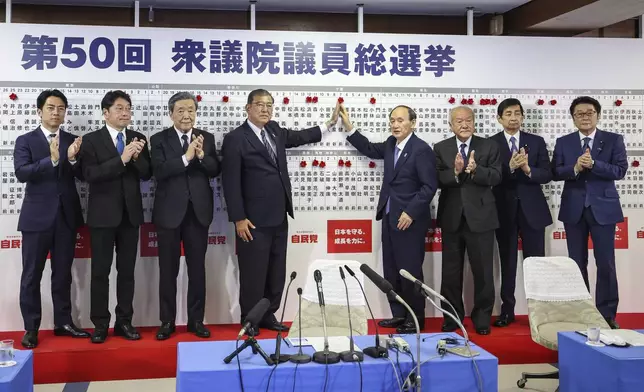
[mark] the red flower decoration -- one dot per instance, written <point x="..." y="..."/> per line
<point x="340" y="163"/>
<point x="286" y="100"/>
<point x="372" y="100"/>
<point x="540" y="102"/>
<point x="322" y="164"/>
<point x="553" y="102"/>
<point x="341" y="100"/>
<point x="198" y="98"/>
<point x="315" y="99"/>
<point x="493" y="101"/>
<point x="225" y="98"/>
<point x="636" y="164"/>
<point x="309" y="99"/>
<point x="315" y="162"/>
<point x="482" y="102"/>
<point x="464" y="101"/>
<point x="452" y="100"/>
<point x="618" y="102"/>
<point x="470" y="101"/>
<point x="372" y="164"/>
<point x="13" y="96"/>
<point x="347" y="163"/>
<point x="303" y="164"/>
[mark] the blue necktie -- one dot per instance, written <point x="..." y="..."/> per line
<point x="120" y="145"/>
<point x="396" y="155"/>
<point x="586" y="144"/>
<point x="463" y="153"/>
<point x="513" y="149"/>
<point x="268" y="147"/>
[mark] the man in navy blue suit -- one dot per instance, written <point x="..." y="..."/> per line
<point x="590" y="161"/>
<point x="45" y="159"/>
<point x="520" y="203"/>
<point x="408" y="187"/>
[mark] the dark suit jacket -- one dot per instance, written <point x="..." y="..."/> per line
<point x="611" y="164"/>
<point x="411" y="185"/>
<point x="470" y="196"/>
<point x="254" y="187"/>
<point x="517" y="186"/>
<point x="47" y="186"/>
<point x="178" y="184"/>
<point x="113" y="185"/>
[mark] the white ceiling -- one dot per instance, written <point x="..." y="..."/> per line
<point x="595" y="15"/>
<point x="433" y="7"/>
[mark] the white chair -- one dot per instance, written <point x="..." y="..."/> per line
<point x="558" y="301"/>
<point x="335" y="300"/>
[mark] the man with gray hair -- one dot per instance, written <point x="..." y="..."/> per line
<point x="468" y="167"/>
<point x="184" y="160"/>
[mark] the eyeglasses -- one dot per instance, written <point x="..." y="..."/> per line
<point x="585" y="114"/>
<point x="262" y="105"/>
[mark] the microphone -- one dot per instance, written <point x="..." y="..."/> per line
<point x="277" y="357"/>
<point x="387" y="288"/>
<point x="351" y="355"/>
<point x="376" y="351"/>
<point x="254" y="316"/>
<point x="325" y="356"/>
<point x="428" y="289"/>
<point x="300" y="357"/>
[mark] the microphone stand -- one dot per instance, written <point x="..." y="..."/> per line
<point x="300" y="357"/>
<point x="351" y="355"/>
<point x="250" y="342"/>
<point x="325" y="356"/>
<point x="376" y="351"/>
<point x="392" y="296"/>
<point x="277" y="357"/>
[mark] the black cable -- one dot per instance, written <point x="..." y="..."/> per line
<point x="294" y="375"/>
<point x="271" y="375"/>
<point x="360" y="366"/>
<point x="241" y="381"/>
<point x="326" y="373"/>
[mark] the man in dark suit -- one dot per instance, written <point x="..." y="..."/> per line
<point x="590" y="161"/>
<point x="408" y="187"/>
<point x="115" y="160"/>
<point x="183" y="161"/>
<point x="257" y="190"/>
<point x="468" y="167"/>
<point x="520" y="203"/>
<point x="50" y="215"/>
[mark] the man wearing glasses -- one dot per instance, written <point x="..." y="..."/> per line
<point x="115" y="160"/>
<point x="590" y="161"/>
<point x="257" y="190"/>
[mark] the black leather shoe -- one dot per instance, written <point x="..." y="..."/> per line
<point x="99" y="335"/>
<point x="30" y="340"/>
<point x="199" y="329"/>
<point x="449" y="327"/>
<point x="483" y="331"/>
<point x="408" y="327"/>
<point x="165" y="330"/>
<point x="252" y="331"/>
<point x="392" y="322"/>
<point x="504" y="320"/>
<point x="126" y="330"/>
<point x="71" y="330"/>
<point x="271" y="323"/>
<point x="612" y="323"/>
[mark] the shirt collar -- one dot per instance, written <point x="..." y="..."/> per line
<point x="180" y="134"/>
<point x="403" y="143"/>
<point x="255" y="129"/>
<point x="467" y="143"/>
<point x="591" y="136"/>
<point x="46" y="132"/>
<point x="113" y="132"/>
<point x="508" y="136"/>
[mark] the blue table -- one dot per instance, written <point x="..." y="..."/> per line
<point x="588" y="368"/>
<point x="18" y="378"/>
<point x="200" y="367"/>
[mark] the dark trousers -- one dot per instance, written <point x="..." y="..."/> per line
<point x="125" y="238"/>
<point x="480" y="250"/>
<point x="60" y="242"/>
<point x="262" y="267"/>
<point x="404" y="250"/>
<point x="603" y="236"/>
<point x="195" y="244"/>
<point x="507" y="236"/>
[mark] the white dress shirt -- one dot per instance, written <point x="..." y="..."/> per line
<point x="590" y="144"/>
<point x="179" y="135"/>
<point x="258" y="132"/>
<point x="47" y="132"/>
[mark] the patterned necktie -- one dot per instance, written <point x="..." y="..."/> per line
<point x="513" y="149"/>
<point x="396" y="155"/>
<point x="268" y="147"/>
<point x="120" y="145"/>
<point x="463" y="153"/>
<point x="51" y="137"/>
<point x="586" y="144"/>
<point x="184" y="145"/>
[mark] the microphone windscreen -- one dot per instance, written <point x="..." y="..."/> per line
<point x="317" y="275"/>
<point x="378" y="280"/>
<point x="341" y="272"/>
<point x="349" y="270"/>
<point x="258" y="311"/>
<point x="293" y="275"/>
<point x="299" y="291"/>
